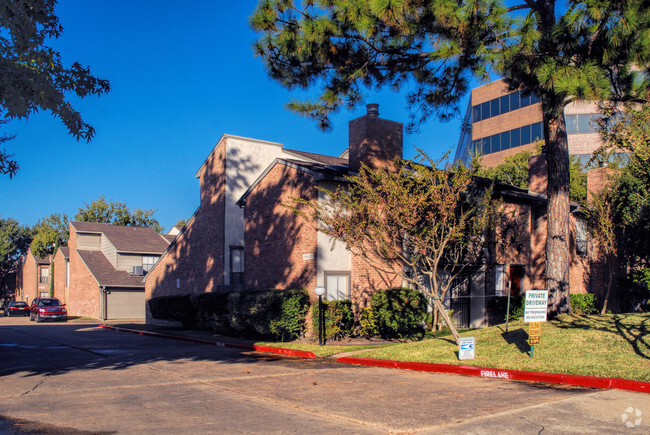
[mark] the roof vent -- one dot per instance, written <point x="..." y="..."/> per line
<point x="372" y="110"/>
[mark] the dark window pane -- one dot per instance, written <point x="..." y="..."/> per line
<point x="524" y="100"/>
<point x="485" y="110"/>
<point x="536" y="131"/>
<point x="505" y="140"/>
<point x="495" y="107"/>
<point x="514" y="101"/>
<point x="476" y="113"/>
<point x="496" y="143"/>
<point x="515" y="138"/>
<point x="525" y="135"/>
<point x="571" y="124"/>
<point x="593" y="122"/>
<point x="534" y="98"/>
<point x="505" y="104"/>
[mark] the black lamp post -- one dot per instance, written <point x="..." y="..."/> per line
<point x="320" y="291"/>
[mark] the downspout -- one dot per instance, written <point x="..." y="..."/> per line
<point x="102" y="303"/>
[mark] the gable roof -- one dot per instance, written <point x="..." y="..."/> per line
<point x="65" y="251"/>
<point x="40" y="260"/>
<point x="141" y="240"/>
<point x="104" y="272"/>
<point x="319" y="158"/>
<point x="320" y="172"/>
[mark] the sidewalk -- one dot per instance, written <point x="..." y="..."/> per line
<point x="211" y="338"/>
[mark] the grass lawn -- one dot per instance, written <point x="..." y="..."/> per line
<point x="616" y="345"/>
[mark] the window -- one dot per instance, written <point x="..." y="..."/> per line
<point x="148" y="262"/>
<point x="515" y="140"/>
<point x="525" y="134"/>
<point x="583" y="124"/>
<point x="525" y="100"/>
<point x="337" y="286"/>
<point x="495" y="108"/>
<point x="571" y="124"/>
<point x="536" y="131"/>
<point x="581" y="238"/>
<point x="237" y="266"/>
<point x="476" y="113"/>
<point x="500" y="280"/>
<point x="514" y="101"/>
<point x="505" y="103"/>
<point x="43" y="275"/>
<point x="485" y="110"/>
<point x="505" y="140"/>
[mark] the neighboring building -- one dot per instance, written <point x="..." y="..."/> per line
<point x="61" y="260"/>
<point x="208" y="253"/>
<point x="499" y="123"/>
<point x="107" y="265"/>
<point x="33" y="278"/>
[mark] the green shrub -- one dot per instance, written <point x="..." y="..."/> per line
<point x="367" y="325"/>
<point x="338" y="317"/>
<point x="399" y="312"/>
<point x="497" y="308"/>
<point x="173" y="308"/>
<point x="584" y="303"/>
<point x="290" y="324"/>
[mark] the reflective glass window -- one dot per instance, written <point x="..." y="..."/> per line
<point x="495" y="107"/>
<point x="485" y="110"/>
<point x="476" y="113"/>
<point x="515" y="137"/>
<point x="534" y="98"/>
<point x="505" y="140"/>
<point x="496" y="142"/>
<point x="571" y="124"/>
<point x="505" y="104"/>
<point x="524" y="100"/>
<point x="514" y="101"/>
<point x="536" y="131"/>
<point x="583" y="124"/>
<point x="525" y="135"/>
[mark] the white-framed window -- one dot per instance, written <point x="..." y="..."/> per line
<point x="237" y="266"/>
<point x="582" y="242"/>
<point x="43" y="275"/>
<point x="500" y="280"/>
<point x="337" y="286"/>
<point x="148" y="261"/>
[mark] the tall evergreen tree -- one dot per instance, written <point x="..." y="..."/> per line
<point x="591" y="50"/>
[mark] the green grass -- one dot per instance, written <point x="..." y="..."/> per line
<point x="610" y="345"/>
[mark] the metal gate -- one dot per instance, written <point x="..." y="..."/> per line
<point x="459" y="295"/>
<point x="125" y="304"/>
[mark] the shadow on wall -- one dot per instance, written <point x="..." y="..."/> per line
<point x="281" y="247"/>
<point x="194" y="262"/>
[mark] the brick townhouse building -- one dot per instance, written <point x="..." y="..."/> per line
<point x="242" y="235"/>
<point x="33" y="277"/>
<point x="103" y="272"/>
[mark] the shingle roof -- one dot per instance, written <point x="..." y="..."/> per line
<point x="328" y="160"/>
<point x="126" y="239"/>
<point x="65" y="251"/>
<point x="105" y="273"/>
<point x="169" y="237"/>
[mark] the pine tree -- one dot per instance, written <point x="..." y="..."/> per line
<point x="595" y="49"/>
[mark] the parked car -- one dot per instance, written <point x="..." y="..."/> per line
<point x="47" y="309"/>
<point x="16" y="309"/>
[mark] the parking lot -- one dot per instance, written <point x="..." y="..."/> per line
<point x="67" y="377"/>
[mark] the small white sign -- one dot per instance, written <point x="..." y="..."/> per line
<point x="307" y="257"/>
<point x="466" y="348"/>
<point x="535" y="307"/>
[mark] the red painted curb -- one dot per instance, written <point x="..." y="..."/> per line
<point x="520" y="375"/>
<point x="256" y="347"/>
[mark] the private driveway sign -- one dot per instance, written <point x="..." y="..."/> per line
<point x="535" y="308"/>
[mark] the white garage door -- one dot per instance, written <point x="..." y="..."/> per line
<point x="125" y="304"/>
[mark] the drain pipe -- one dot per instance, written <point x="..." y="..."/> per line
<point x="102" y="305"/>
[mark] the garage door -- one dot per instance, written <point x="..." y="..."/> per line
<point x="125" y="304"/>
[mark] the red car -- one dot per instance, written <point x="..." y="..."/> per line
<point x="47" y="309"/>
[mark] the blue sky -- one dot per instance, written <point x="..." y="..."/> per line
<point x="182" y="74"/>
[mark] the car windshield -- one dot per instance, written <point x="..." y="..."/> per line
<point x="50" y="302"/>
<point x="18" y="304"/>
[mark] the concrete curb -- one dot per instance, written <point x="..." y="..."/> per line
<point x="520" y="375"/>
<point x="255" y="347"/>
<point x="485" y="372"/>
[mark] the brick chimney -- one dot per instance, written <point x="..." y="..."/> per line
<point x="597" y="179"/>
<point x="374" y="141"/>
<point x="537" y="174"/>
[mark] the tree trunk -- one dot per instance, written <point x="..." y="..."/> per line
<point x="557" y="242"/>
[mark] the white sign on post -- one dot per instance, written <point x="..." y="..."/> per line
<point x="535" y="308"/>
<point x="466" y="348"/>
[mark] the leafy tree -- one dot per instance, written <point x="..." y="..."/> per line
<point x="117" y="213"/>
<point x="33" y="77"/>
<point x="14" y="242"/>
<point x="437" y="46"/>
<point x="181" y="223"/>
<point x="419" y="223"/>
<point x="8" y="166"/>
<point x="50" y="233"/>
<point x="627" y="129"/>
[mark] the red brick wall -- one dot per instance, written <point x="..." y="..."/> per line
<point x="367" y="279"/>
<point x="59" y="276"/>
<point x="281" y="248"/>
<point x="29" y="279"/>
<point x="374" y="141"/>
<point x="83" y="297"/>
<point x="196" y="258"/>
